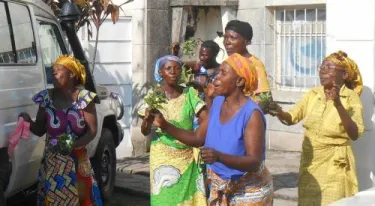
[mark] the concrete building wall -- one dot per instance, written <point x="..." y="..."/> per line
<point x="261" y="15"/>
<point x="209" y="23"/>
<point x="153" y="31"/>
<point x="138" y="12"/>
<point x="129" y="50"/>
<point x="255" y="12"/>
<point x="119" y="60"/>
<point x="356" y="37"/>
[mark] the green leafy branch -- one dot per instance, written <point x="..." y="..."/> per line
<point x="265" y="98"/>
<point x="189" y="47"/>
<point x="155" y="98"/>
<point x="187" y="75"/>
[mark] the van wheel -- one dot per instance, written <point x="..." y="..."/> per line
<point x="104" y="164"/>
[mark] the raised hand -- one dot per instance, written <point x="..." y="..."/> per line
<point x="334" y="94"/>
<point x="210" y="90"/>
<point x="274" y="109"/>
<point x="148" y="117"/>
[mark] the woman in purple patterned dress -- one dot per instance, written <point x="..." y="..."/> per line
<point x="66" y="112"/>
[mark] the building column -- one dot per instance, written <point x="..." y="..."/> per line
<point x="179" y="21"/>
<point x="157" y="32"/>
<point x="254" y="13"/>
<point x="228" y="13"/>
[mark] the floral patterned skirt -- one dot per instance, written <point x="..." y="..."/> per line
<point x="68" y="180"/>
<point x="252" y="189"/>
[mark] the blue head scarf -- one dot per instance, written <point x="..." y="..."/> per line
<point x="161" y="61"/>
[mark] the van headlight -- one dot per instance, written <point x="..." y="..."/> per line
<point x="117" y="105"/>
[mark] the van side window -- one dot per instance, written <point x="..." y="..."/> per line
<point x="6" y="50"/>
<point x="23" y="33"/>
<point x="50" y="41"/>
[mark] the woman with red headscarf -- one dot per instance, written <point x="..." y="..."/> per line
<point x="233" y="138"/>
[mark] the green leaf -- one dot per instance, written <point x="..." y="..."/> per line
<point x="189" y="47"/>
<point x="155" y="98"/>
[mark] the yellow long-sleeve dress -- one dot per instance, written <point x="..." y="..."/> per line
<point x="327" y="169"/>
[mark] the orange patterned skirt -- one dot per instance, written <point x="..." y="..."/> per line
<point x="252" y="189"/>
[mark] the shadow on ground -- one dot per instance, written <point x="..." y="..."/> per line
<point x="285" y="180"/>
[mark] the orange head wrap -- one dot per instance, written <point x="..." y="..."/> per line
<point x="73" y="65"/>
<point x="245" y="69"/>
<point x="342" y="60"/>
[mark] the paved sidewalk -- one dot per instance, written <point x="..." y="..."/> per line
<point x="133" y="175"/>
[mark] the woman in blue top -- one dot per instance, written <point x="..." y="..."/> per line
<point x="233" y="138"/>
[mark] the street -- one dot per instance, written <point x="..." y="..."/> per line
<point x="123" y="197"/>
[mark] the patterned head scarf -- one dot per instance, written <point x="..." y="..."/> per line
<point x="354" y="80"/>
<point x="245" y="69"/>
<point x="160" y="63"/>
<point x="73" y="65"/>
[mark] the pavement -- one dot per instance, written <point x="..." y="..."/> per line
<point x="133" y="175"/>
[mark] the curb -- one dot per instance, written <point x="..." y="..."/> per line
<point x="284" y="197"/>
<point x="133" y="172"/>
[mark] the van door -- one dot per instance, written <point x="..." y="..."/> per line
<point x="20" y="79"/>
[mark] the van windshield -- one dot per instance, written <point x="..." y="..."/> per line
<point x="51" y="42"/>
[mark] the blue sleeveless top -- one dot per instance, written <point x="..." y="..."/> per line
<point x="228" y="138"/>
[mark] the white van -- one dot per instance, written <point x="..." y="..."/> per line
<point x="31" y="38"/>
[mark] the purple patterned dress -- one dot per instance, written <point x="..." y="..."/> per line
<point x="66" y="179"/>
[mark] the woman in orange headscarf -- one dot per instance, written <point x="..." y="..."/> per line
<point x="67" y="115"/>
<point x="333" y="119"/>
<point x="233" y="138"/>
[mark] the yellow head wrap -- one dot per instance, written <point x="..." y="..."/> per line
<point x="74" y="66"/>
<point x="245" y="69"/>
<point x="354" y="80"/>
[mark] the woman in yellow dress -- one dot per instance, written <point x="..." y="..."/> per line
<point x="333" y="118"/>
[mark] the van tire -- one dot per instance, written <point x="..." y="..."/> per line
<point x="104" y="164"/>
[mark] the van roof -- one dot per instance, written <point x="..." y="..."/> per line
<point x="38" y="3"/>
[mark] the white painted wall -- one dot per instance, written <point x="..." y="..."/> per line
<point x="208" y="24"/>
<point x="119" y="55"/>
<point x="351" y="29"/>
<point x="114" y="69"/>
<point x="293" y="2"/>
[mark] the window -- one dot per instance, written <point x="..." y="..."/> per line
<point x="23" y="33"/>
<point x="300" y="38"/>
<point x="6" y="49"/>
<point x="16" y="33"/>
<point x="51" y="42"/>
